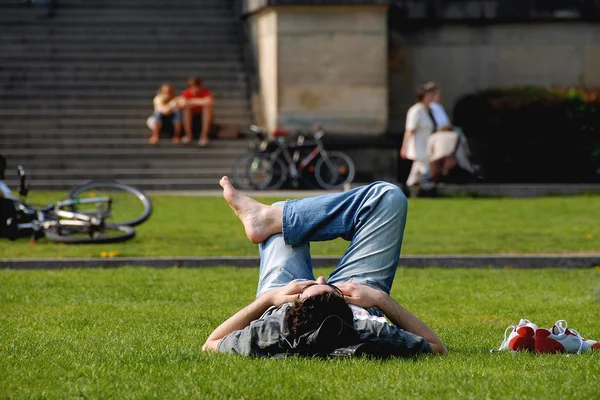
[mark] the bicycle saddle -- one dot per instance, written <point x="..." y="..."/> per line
<point x="280" y="132"/>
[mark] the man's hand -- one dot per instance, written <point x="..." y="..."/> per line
<point x="365" y="296"/>
<point x="288" y="293"/>
<point x="361" y="295"/>
<point x="403" y="153"/>
<point x="253" y="311"/>
<point x="180" y="102"/>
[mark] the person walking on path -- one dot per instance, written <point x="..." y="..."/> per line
<point x="419" y="126"/>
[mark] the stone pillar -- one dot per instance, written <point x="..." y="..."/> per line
<point x="323" y="64"/>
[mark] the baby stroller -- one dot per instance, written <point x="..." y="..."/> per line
<point x="450" y="157"/>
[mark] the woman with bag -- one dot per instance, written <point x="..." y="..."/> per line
<point x="419" y="126"/>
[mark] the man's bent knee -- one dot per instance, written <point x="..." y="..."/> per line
<point x="391" y="199"/>
<point x="393" y="195"/>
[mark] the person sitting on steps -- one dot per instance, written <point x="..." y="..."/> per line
<point x="165" y="111"/>
<point x="196" y="101"/>
<point x="294" y="313"/>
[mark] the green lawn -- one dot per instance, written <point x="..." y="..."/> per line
<point x="205" y="226"/>
<point x="137" y="333"/>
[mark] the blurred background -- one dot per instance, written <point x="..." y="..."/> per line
<point x="77" y="79"/>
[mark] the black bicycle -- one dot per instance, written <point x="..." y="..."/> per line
<point x="96" y="212"/>
<point x="305" y="162"/>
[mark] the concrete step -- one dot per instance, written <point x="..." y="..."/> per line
<point x="21" y="135"/>
<point x="144" y="184"/>
<point x="98" y="105"/>
<point x="162" y="36"/>
<point x="129" y="173"/>
<point x="84" y="142"/>
<point x="118" y="14"/>
<point x="66" y="85"/>
<point x="224" y="57"/>
<point x="7" y="74"/>
<point x="159" y="72"/>
<point x="144" y="151"/>
<point x="102" y="17"/>
<point x="144" y="3"/>
<point x="110" y="140"/>
<point x="61" y="118"/>
<point x="128" y="23"/>
<point x="93" y="132"/>
<point x="86" y="89"/>
<point x="10" y="135"/>
<point x="7" y="4"/>
<point x="138" y="26"/>
<point x="118" y="79"/>
<point x="143" y="96"/>
<point x="107" y="47"/>
<point x="111" y="165"/>
<point x="198" y="66"/>
<point x="117" y="138"/>
<point x="224" y="112"/>
<point x="122" y="123"/>
<point x="32" y="79"/>
<point x="68" y="5"/>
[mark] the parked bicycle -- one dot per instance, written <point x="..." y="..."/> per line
<point x="305" y="162"/>
<point x="96" y="212"/>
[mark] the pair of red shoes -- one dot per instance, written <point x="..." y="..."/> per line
<point x="526" y="336"/>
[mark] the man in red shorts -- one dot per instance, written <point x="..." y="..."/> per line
<point x="196" y="100"/>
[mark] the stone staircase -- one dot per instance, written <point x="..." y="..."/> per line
<point x="76" y="89"/>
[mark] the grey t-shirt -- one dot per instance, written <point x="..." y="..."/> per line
<point x="268" y="336"/>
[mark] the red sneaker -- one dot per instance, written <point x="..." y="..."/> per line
<point x="521" y="338"/>
<point x="561" y="339"/>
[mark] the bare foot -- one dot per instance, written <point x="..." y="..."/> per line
<point x="260" y="221"/>
<point x="153" y="139"/>
<point x="176" y="140"/>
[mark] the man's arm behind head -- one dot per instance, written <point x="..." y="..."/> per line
<point x="366" y="297"/>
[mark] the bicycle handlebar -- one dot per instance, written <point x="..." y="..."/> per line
<point x="23" y="188"/>
<point x="317" y="134"/>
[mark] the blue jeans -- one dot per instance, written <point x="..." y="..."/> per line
<point x="174" y="118"/>
<point x="371" y="217"/>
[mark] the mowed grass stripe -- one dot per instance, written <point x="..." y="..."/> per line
<point x="205" y="226"/>
<point x="137" y="333"/>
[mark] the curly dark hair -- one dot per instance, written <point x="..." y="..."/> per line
<point x="308" y="313"/>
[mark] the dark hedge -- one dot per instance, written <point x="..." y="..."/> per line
<point x="533" y="135"/>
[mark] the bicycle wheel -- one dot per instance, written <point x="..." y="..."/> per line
<point x="110" y="234"/>
<point x="241" y="176"/>
<point x="334" y="170"/>
<point x="264" y="173"/>
<point x="128" y="205"/>
<point x="308" y="179"/>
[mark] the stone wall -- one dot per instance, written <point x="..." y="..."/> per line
<point x="332" y="68"/>
<point x="323" y="64"/>
<point x="466" y="58"/>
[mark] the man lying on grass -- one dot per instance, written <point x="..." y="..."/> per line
<point x="295" y="314"/>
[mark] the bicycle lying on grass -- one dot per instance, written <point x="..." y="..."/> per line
<point x="305" y="162"/>
<point x="96" y="212"/>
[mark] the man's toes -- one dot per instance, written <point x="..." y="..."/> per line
<point x="224" y="181"/>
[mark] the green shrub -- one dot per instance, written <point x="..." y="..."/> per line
<point x="532" y="134"/>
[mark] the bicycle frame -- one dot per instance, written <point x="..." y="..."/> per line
<point x="56" y="216"/>
<point x="294" y="165"/>
<point x="306" y="161"/>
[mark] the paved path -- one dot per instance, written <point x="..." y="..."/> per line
<point x="590" y="260"/>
